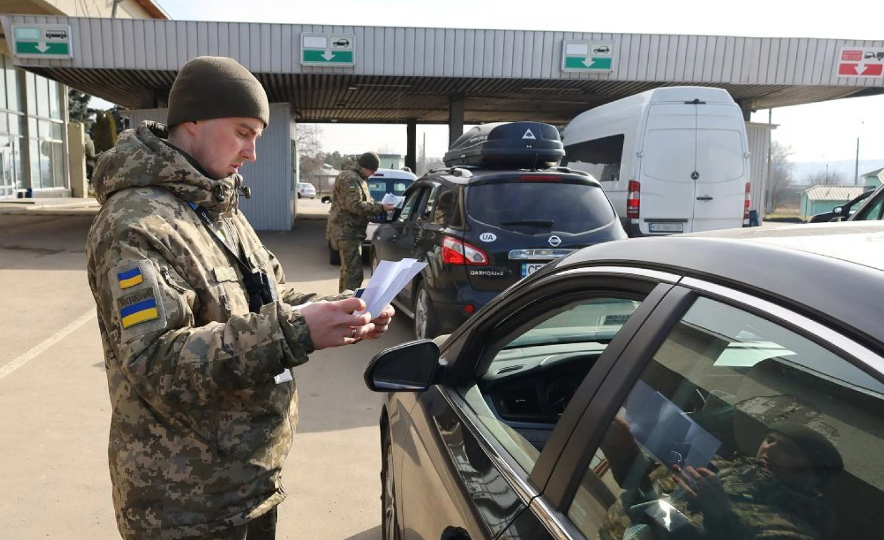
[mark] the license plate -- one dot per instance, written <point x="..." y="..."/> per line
<point x="666" y="227"/>
<point x="530" y="268"/>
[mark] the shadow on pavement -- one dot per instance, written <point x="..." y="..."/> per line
<point x="371" y="534"/>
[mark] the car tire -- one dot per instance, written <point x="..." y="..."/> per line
<point x="334" y="257"/>
<point x="326" y="200"/>
<point x="299" y="195"/>
<point x="389" y="530"/>
<point x="426" y="326"/>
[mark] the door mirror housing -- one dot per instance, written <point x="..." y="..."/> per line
<point x="409" y="367"/>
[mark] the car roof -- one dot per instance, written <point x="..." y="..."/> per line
<point x="395" y="174"/>
<point x="832" y="270"/>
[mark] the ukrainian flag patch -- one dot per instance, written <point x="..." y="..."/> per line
<point x="130" y="278"/>
<point x="138" y="308"/>
<point x="137" y="296"/>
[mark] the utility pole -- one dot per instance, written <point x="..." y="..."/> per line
<point x="856" y="166"/>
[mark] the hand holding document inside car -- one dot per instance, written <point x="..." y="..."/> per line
<point x="387" y="280"/>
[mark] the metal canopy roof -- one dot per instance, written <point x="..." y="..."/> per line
<point x="403" y="74"/>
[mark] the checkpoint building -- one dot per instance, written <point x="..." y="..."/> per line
<point x="408" y="76"/>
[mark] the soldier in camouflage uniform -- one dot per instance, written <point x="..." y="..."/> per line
<point x="199" y="332"/>
<point x="351" y="208"/>
<point x="771" y="495"/>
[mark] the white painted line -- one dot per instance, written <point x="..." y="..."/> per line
<point x="36" y="351"/>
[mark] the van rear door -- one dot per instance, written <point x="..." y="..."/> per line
<point x="722" y="168"/>
<point x="666" y="165"/>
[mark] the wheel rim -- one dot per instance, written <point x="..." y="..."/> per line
<point x="389" y="499"/>
<point x="420" y="313"/>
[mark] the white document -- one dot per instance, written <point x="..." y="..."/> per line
<point x="389" y="278"/>
<point x="395" y="200"/>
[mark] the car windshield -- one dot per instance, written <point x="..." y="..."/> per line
<point x="570" y="207"/>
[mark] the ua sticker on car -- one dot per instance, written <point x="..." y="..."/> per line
<point x="488" y="237"/>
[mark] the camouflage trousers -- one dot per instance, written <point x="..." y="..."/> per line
<point x="351" y="264"/>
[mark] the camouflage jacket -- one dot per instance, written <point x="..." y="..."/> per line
<point x="201" y="424"/>
<point x="351" y="205"/>
<point x="760" y="507"/>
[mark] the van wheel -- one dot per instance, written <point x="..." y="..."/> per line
<point x="334" y="258"/>
<point x="426" y="326"/>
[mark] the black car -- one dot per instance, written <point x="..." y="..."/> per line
<point x="840" y="213"/>
<point x="870" y="210"/>
<point x="496" y="215"/>
<point x="723" y="385"/>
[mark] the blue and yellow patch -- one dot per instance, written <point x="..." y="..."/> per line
<point x="137" y="308"/>
<point x="130" y="278"/>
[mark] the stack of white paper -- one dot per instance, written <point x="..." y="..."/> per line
<point x="395" y="200"/>
<point x="389" y="278"/>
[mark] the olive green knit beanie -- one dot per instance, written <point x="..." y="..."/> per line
<point x="209" y="87"/>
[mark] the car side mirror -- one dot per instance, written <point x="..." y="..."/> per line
<point x="838" y="210"/>
<point x="409" y="367"/>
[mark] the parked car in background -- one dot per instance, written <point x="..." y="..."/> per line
<point x="498" y="213"/>
<point x="306" y="190"/>
<point x="568" y="406"/>
<point x="840" y="213"/>
<point x="872" y="209"/>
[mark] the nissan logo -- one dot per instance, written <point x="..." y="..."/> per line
<point x="554" y="240"/>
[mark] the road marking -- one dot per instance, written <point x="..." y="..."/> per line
<point x="36" y="351"/>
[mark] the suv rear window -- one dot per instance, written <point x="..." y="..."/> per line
<point x="571" y="207"/>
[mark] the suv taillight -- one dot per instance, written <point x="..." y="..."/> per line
<point x="633" y="200"/>
<point x="747" y="202"/>
<point x="455" y="251"/>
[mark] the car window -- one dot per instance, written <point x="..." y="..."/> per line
<point x="524" y="387"/>
<point x="443" y="207"/>
<point x="871" y="210"/>
<point x="738" y="428"/>
<point x="412" y="200"/>
<point x="560" y="206"/>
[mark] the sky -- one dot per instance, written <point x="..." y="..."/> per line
<point x="819" y="132"/>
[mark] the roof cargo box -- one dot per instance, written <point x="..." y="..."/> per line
<point x="513" y="145"/>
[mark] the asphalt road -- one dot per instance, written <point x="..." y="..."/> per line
<point x="54" y="406"/>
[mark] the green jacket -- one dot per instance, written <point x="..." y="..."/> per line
<point x="200" y="428"/>
<point x="351" y="205"/>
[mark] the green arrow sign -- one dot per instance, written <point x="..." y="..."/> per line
<point x="332" y="50"/>
<point x="320" y="56"/>
<point x="590" y="63"/>
<point x="40" y="48"/>
<point x="591" y="56"/>
<point x="42" y="41"/>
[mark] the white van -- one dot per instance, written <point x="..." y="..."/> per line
<point x="672" y="160"/>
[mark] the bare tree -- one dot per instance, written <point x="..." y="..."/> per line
<point x="826" y="177"/>
<point x="780" y="174"/>
<point x="308" y="144"/>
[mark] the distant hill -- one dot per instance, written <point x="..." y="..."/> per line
<point x="801" y="171"/>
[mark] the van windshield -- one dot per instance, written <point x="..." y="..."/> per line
<point x="566" y="206"/>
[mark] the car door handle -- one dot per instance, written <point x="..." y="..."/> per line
<point x="455" y="533"/>
<point x="704" y="198"/>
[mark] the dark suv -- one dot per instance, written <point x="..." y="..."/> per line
<point x="484" y="226"/>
